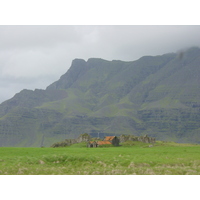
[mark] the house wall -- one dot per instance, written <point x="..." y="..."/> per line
<point x="115" y="141"/>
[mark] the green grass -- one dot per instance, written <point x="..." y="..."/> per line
<point x="133" y="158"/>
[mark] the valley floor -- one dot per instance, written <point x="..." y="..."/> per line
<point x="136" y="159"/>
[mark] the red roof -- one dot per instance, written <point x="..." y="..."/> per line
<point x="103" y="142"/>
<point x="91" y="142"/>
<point x="109" y="137"/>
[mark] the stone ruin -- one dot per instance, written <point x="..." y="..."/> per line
<point x="67" y="142"/>
<point x="83" y="138"/>
<point x="145" y="138"/>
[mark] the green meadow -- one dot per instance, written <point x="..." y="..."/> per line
<point x="131" y="158"/>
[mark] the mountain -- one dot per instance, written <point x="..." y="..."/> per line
<point x="154" y="95"/>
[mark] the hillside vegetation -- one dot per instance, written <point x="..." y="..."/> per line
<point x="155" y="95"/>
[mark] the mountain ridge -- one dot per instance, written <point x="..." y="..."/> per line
<point x="154" y="95"/>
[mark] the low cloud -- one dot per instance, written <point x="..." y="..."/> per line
<point x="35" y="56"/>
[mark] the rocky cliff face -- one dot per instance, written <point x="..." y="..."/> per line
<point x="155" y="95"/>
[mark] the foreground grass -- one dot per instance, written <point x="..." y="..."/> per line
<point x="129" y="159"/>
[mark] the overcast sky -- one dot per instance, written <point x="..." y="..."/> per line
<point x="35" y="56"/>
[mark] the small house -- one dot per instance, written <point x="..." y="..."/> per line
<point x="92" y="144"/>
<point x="95" y="144"/>
<point x="112" y="139"/>
<point x="107" y="140"/>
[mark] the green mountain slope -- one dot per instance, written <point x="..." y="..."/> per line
<point x="155" y="95"/>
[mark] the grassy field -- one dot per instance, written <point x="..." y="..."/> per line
<point x="132" y="158"/>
